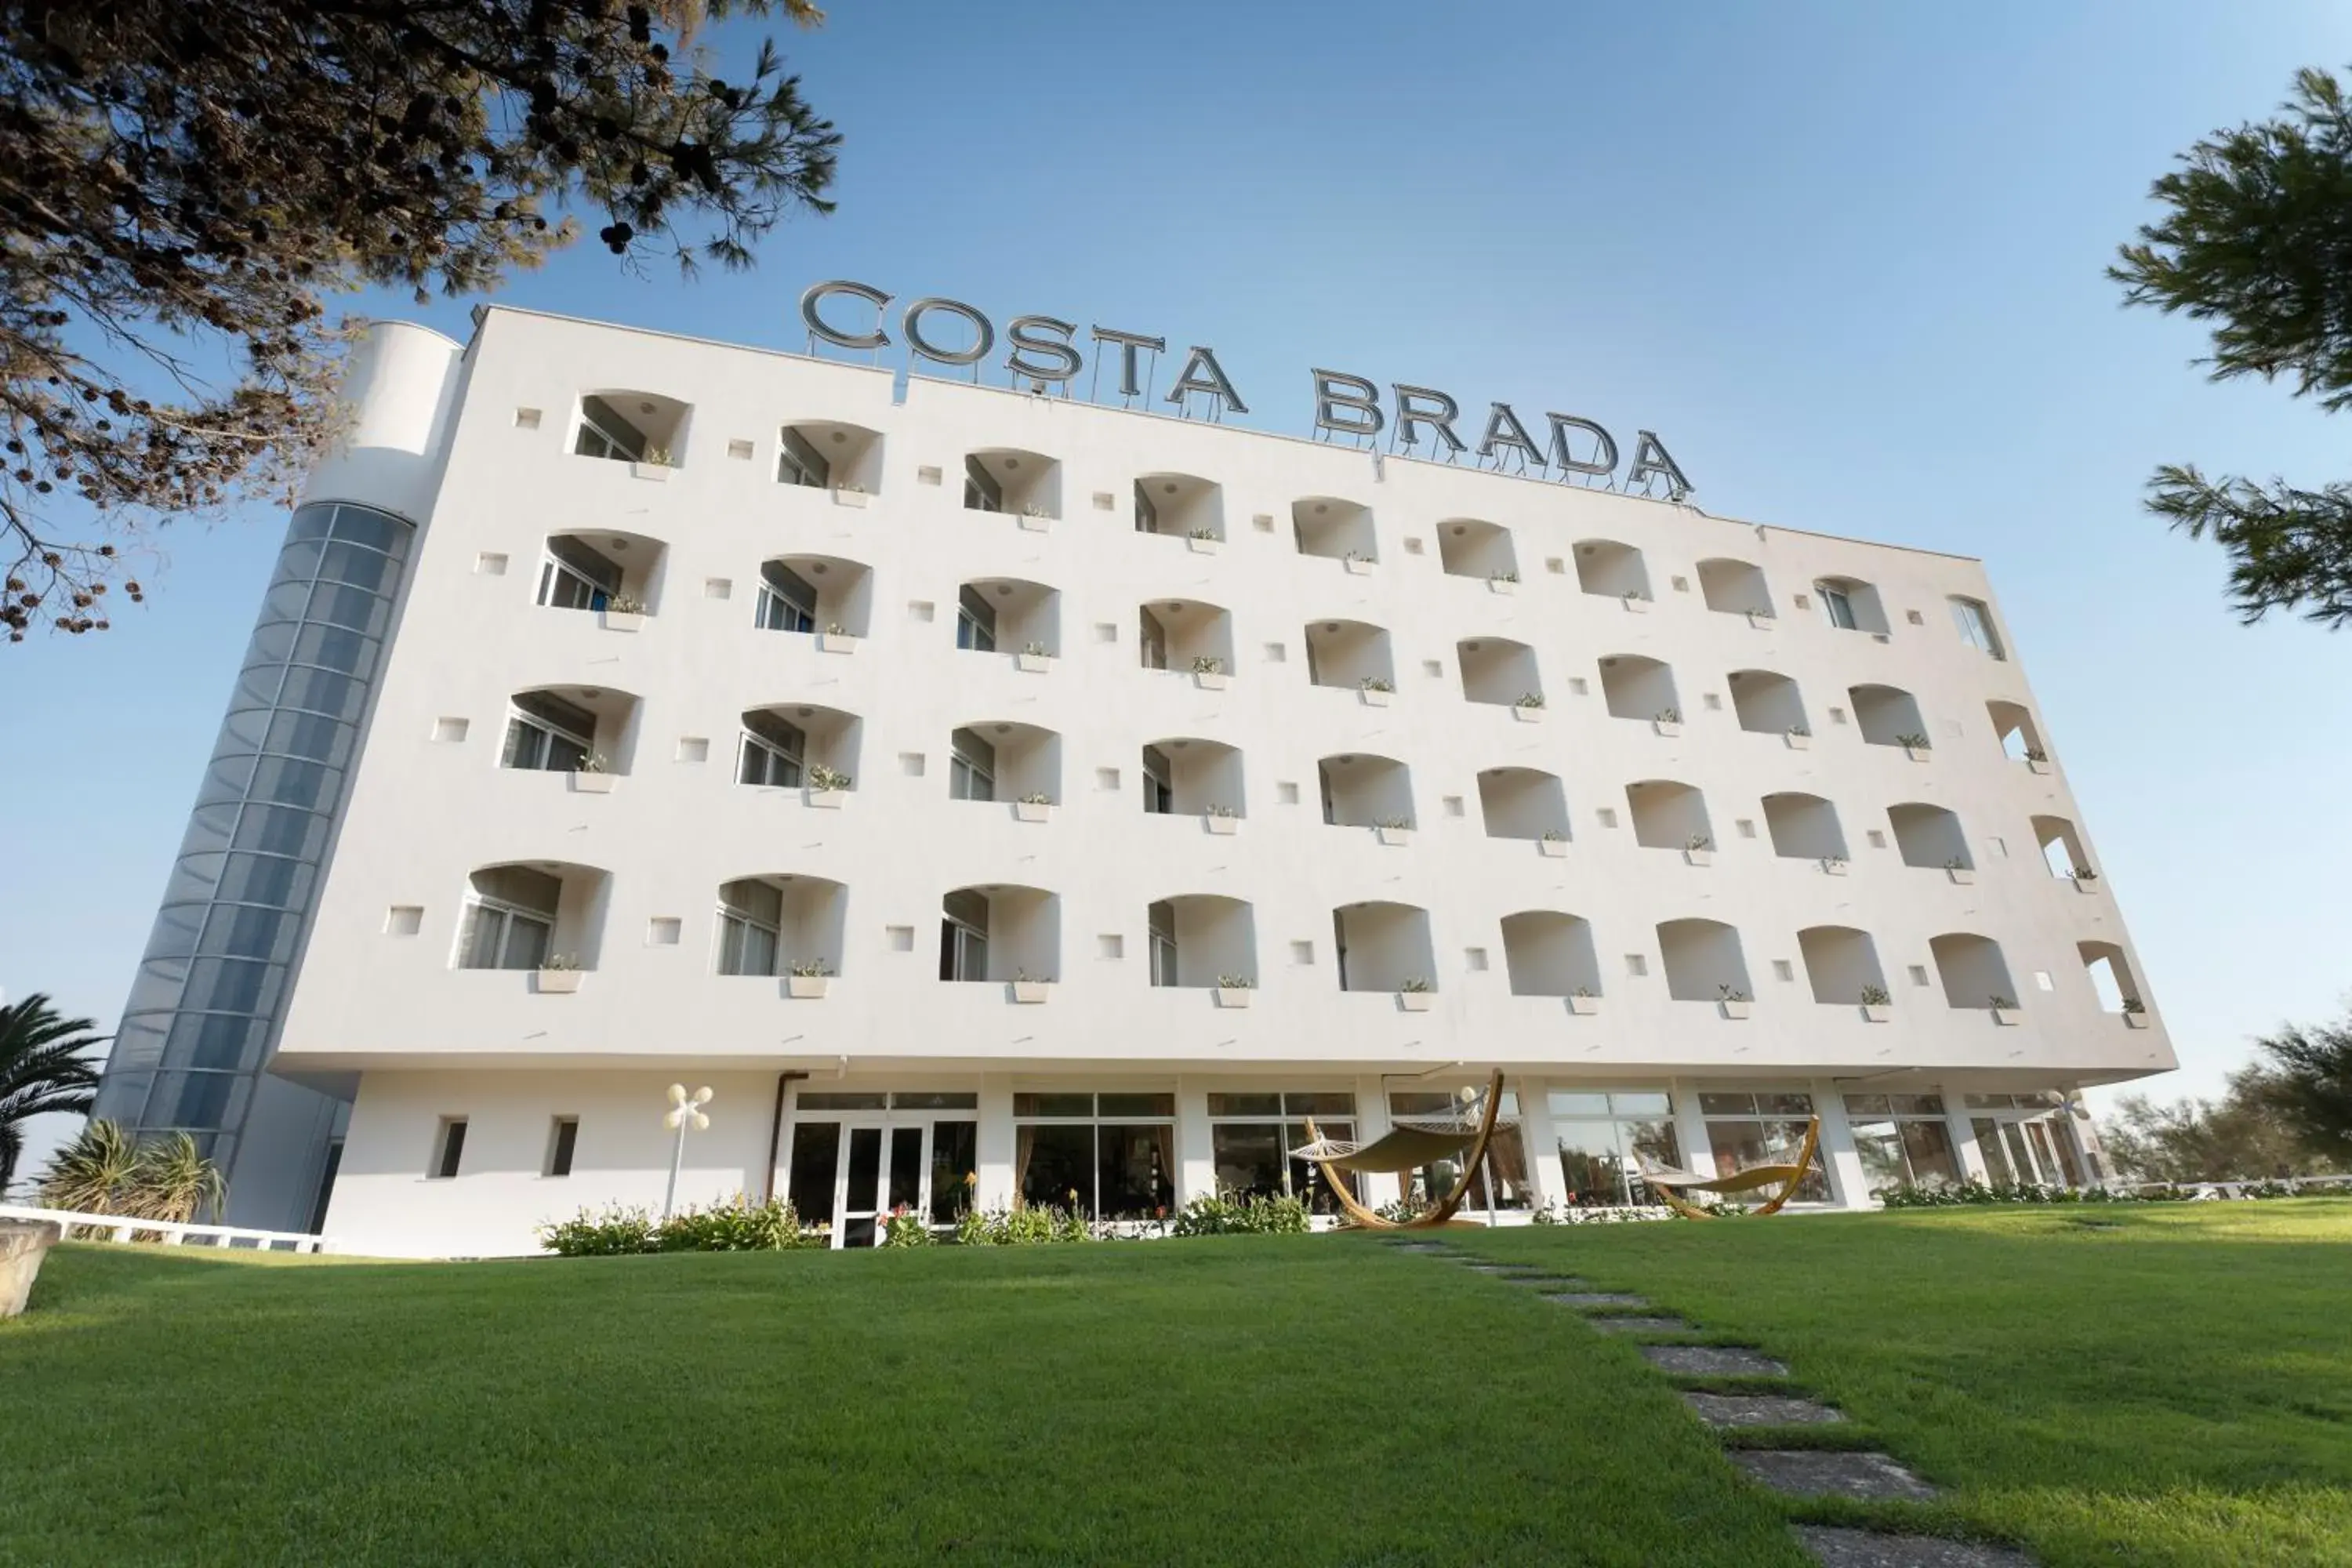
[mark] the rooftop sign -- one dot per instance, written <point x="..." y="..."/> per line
<point x="1420" y="420"/>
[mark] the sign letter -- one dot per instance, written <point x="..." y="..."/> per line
<point x="1504" y="433"/>
<point x="1605" y="456"/>
<point x="1202" y="373"/>
<point x="1127" y="343"/>
<point x="1027" y="333"/>
<point x="1650" y="461"/>
<point x="866" y="291"/>
<point x="983" y="339"/>
<point x="1438" y="413"/>
<point x="1336" y="390"/>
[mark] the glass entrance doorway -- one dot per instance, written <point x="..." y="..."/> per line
<point x="858" y="1158"/>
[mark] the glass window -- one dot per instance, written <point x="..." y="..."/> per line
<point x="1152" y="640"/>
<point x="603" y="433"/>
<point x="773" y="752"/>
<point x="565" y="1140"/>
<point x="1975" y="623"/>
<point x="981" y="491"/>
<point x="750" y="921"/>
<point x="798" y="462"/>
<point x="1598" y="1137"/>
<point x="1147" y="516"/>
<point x="1738" y="1144"/>
<point x="975" y="621"/>
<point x="843" y="1099"/>
<point x="1115" y="1156"/>
<point x="1158" y="792"/>
<point x="1837" y="606"/>
<point x="955" y="1163"/>
<point x="573" y="577"/>
<point x="544" y="731"/>
<point x="1162" y="920"/>
<point x="449" y="1148"/>
<point x="963" y="936"/>
<point x="787" y="600"/>
<point x="509" y="919"/>
<point x="971" y="767"/>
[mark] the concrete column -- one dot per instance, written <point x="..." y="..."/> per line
<point x="1542" y="1143"/>
<point x="996" y="1190"/>
<point x="1373" y="1122"/>
<point x="1690" y="1127"/>
<point x="1847" y="1187"/>
<point x="1964" y="1136"/>
<point x="1196" y="1159"/>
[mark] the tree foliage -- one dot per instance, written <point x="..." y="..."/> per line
<point x="104" y="1171"/>
<point x="45" y="1068"/>
<point x="2308" y="1086"/>
<point x="2256" y="239"/>
<point x="183" y="182"/>
<point x="2241" y="1137"/>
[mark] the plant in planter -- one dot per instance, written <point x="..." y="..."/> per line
<point x="2084" y="874"/>
<point x="1699" y="849"/>
<point x="1204" y="540"/>
<point x="1834" y="865"/>
<point x="623" y="612"/>
<point x="1233" y="990"/>
<point x="1414" y="994"/>
<point x="1208" y="671"/>
<point x="1669" y="722"/>
<point x="1505" y="575"/>
<point x="1027" y="987"/>
<point x="659" y="457"/>
<point x="593" y="775"/>
<point x="1035" y="651"/>
<point x="1033" y="657"/>
<point x="1360" y="564"/>
<point x="820" y="777"/>
<point x="1528" y="704"/>
<point x="1914" y="742"/>
<point x="806" y="978"/>
<point x="1636" y="601"/>
<point x="1875" y="1002"/>
<point x="849" y="493"/>
<point x="1377" y="683"/>
<point x="1222" y="820"/>
<point x="1035" y="806"/>
<point x="2135" y="1013"/>
<point x="1959" y="871"/>
<point x="558" y="974"/>
<point x="1735" y="1003"/>
<point x="1583" y="1002"/>
<point x="1798" y="737"/>
<point x="1552" y="842"/>
<point x="1394" y="829"/>
<point x="2036" y="754"/>
<point x="2004" y="1008"/>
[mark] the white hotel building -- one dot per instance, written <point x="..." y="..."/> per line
<point x="1198" y="780"/>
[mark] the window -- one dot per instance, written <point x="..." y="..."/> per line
<point x="787" y="600"/>
<point x="1903" y="1139"/>
<point x="799" y="463"/>
<point x="510" y="918"/>
<point x="971" y="768"/>
<point x="1152" y="640"/>
<point x="1147" y="516"/>
<point x="1744" y="1129"/>
<point x="1161" y="917"/>
<point x="1975" y="622"/>
<point x="562" y="1139"/>
<point x="963" y="936"/>
<point x="544" y="731"/>
<point x="1116" y="1153"/>
<point x="1837" y="607"/>
<point x="605" y="434"/>
<point x="1158" y="790"/>
<point x="981" y="491"/>
<point x="975" y="621"/>
<point x="573" y="577"/>
<point x="750" y="925"/>
<point x="773" y="752"/>
<point x="1501" y="1183"/>
<point x="1251" y="1136"/>
<point x="448" y="1148"/>
<point x="2026" y="1140"/>
<point x="1599" y="1136"/>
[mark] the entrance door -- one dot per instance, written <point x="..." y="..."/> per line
<point x="853" y="1174"/>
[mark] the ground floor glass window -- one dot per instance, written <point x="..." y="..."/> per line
<point x="1602" y="1139"/>
<point x="1111" y="1155"/>
<point x="1903" y="1141"/>
<point x="1251" y="1136"/>
<point x="1745" y="1129"/>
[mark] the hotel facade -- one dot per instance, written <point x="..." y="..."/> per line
<point x="994" y="797"/>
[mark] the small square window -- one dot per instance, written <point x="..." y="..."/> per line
<point x="1105" y="500"/>
<point x="450" y="730"/>
<point x="911" y="764"/>
<point x="927" y="475"/>
<point x="1577" y="686"/>
<point x="718" y="588"/>
<point x="1837" y="715"/>
<point x="1262" y="523"/>
<point x="403" y="920"/>
<point x="1453" y="804"/>
<point x="562" y="1140"/>
<point x="1747" y="827"/>
<point x="1105" y="631"/>
<point x="1106" y="779"/>
<point x="2041" y="981"/>
<point x="1682" y="584"/>
<point x="1636" y="965"/>
<point x="490" y="563"/>
<point x="1608" y="816"/>
<point x="739" y="450"/>
<point x="664" y="930"/>
<point x="1710" y="701"/>
<point x="1475" y="957"/>
<point x="901" y="938"/>
<point x="1413" y="547"/>
<point x="1952" y="728"/>
<point x="526" y="418"/>
<point x="1919" y="974"/>
<point x="1914" y="617"/>
<point x="448" y="1148"/>
<point x="1302" y="952"/>
<point x="693" y="748"/>
<point x="1554" y="565"/>
<point x="1433" y="668"/>
<point x="1784" y="970"/>
<point x="1286" y="794"/>
<point x="1275" y="653"/>
<point x="1804" y="600"/>
<point x="1996" y="847"/>
<point x="1877" y="839"/>
<point x="1110" y="947"/>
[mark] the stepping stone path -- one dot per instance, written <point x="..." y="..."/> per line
<point x="1835" y="1548"/>
<point x="1830" y="1472"/>
<point x="1714" y="1360"/>
<point x="1759" y="1410"/>
<point x="1608" y="1324"/>
<point x="1598" y="1299"/>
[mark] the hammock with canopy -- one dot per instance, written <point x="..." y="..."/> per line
<point x="1670" y="1184"/>
<point x="1406" y="1148"/>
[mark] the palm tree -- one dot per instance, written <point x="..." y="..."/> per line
<point x="42" y="1070"/>
<point x="98" y="1172"/>
<point x="175" y="1182"/>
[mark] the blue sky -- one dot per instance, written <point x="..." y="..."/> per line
<point x="1845" y="258"/>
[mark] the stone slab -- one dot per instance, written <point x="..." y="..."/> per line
<point x="23" y="1243"/>
<point x="1834" y="1548"/>
<point x="1554" y="1282"/>
<point x="1597" y="1299"/>
<point x="1759" y="1410"/>
<point x="1609" y="1323"/>
<point x="1825" y="1472"/>
<point x="1714" y="1360"/>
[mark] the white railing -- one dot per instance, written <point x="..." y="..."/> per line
<point x="2236" y="1189"/>
<point x="166" y="1232"/>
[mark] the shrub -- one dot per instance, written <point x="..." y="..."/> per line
<point x="606" y="1233"/>
<point x="902" y="1227"/>
<point x="738" y="1225"/>
<point x="1223" y="1215"/>
<point x="1024" y="1227"/>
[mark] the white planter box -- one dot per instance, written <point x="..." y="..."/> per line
<point x="1394" y="836"/>
<point x="1833" y="868"/>
<point x="1037" y="524"/>
<point x="1032" y="811"/>
<point x="2134" y="1020"/>
<point x="2082" y="887"/>
<point x="1699" y="857"/>
<point x="1204" y="546"/>
<point x="1502" y="585"/>
<point x="1960" y="874"/>
<point x="836" y="642"/>
<point x="1223" y="827"/>
<point x="1798" y="742"/>
<point x="1415" y="1001"/>
<point x="1555" y="847"/>
<point x="1374" y="699"/>
<point x="1030" y="993"/>
<point x="1876" y="1012"/>
<point x="1234" y="996"/>
<point x="1208" y="680"/>
<point x="1917" y="753"/>
<point x="1526" y="715"/>
<point x="805" y="987"/>
<point x="2006" y="1018"/>
<point x="848" y="497"/>
<point x="1033" y="663"/>
<point x="592" y="783"/>
<point x="622" y="620"/>
<point x="556" y="982"/>
<point x="1760" y="621"/>
<point x="658" y="472"/>
<point x="823" y="799"/>
<point x="1361" y="568"/>
<point x="1667" y="726"/>
<point x="1635" y="606"/>
<point x="1584" y="1006"/>
<point x="1736" y="1009"/>
<point x="2037" y="767"/>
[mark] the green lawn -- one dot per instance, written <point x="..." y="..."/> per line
<point x="2168" y="1385"/>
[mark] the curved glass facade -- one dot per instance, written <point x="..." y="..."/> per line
<point x="205" y="1007"/>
